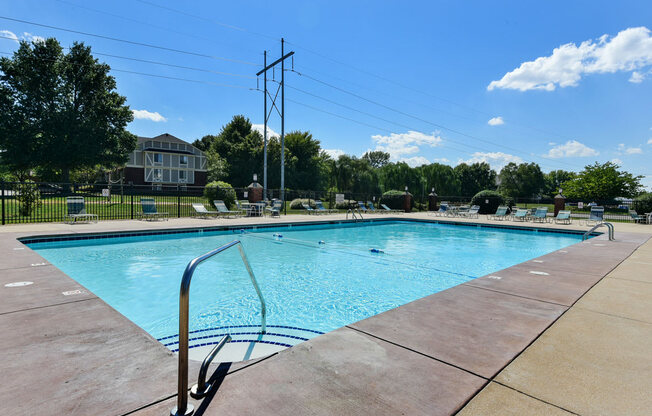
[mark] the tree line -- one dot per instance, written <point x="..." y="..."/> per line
<point x="62" y="119"/>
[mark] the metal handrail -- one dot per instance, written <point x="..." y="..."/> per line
<point x="598" y="225"/>
<point x="353" y="216"/>
<point x="182" y="407"/>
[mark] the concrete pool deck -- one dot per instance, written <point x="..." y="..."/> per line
<point x="569" y="341"/>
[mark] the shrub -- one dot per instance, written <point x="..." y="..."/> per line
<point x="394" y="199"/>
<point x="643" y="203"/>
<point x="296" y="203"/>
<point x="347" y="204"/>
<point x="488" y="201"/>
<point x="28" y="197"/>
<point x="220" y="190"/>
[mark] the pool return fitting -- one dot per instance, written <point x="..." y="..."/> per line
<point x="183" y="408"/>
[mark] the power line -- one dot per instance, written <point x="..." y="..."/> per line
<point x="196" y="81"/>
<point x="141" y="22"/>
<point x="421" y="119"/>
<point x="130" y="42"/>
<point x="161" y="63"/>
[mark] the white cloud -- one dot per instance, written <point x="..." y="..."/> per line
<point x="497" y="160"/>
<point x="148" y="115"/>
<point x="441" y="160"/>
<point x="9" y="34"/>
<point x="415" y="161"/>
<point x="334" y="153"/>
<point x="649" y="141"/>
<point x="496" y="121"/>
<point x="32" y="38"/>
<point x="399" y="145"/>
<point x="617" y="161"/>
<point x="261" y="127"/>
<point x="629" y="50"/>
<point x="572" y="148"/>
<point x="636" y="77"/>
<point x="629" y="150"/>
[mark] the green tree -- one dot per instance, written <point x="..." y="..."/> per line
<point x="305" y="162"/>
<point x="442" y="178"/>
<point x="475" y="178"/>
<point x="554" y="180"/>
<point x="61" y="111"/>
<point x="396" y="176"/>
<point x="603" y="182"/>
<point x="524" y="180"/>
<point x="349" y="173"/>
<point x="376" y="158"/>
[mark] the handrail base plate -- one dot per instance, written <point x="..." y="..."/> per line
<point x="190" y="409"/>
<point x="200" y="394"/>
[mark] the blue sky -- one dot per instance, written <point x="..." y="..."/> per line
<point x="561" y="83"/>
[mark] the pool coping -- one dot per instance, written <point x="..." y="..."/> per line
<point x="149" y="398"/>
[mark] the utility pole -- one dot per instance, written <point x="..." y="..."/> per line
<point x="281" y="113"/>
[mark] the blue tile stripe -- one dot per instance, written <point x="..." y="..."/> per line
<point x="240" y="340"/>
<point x="238" y="229"/>
<point x="243" y="326"/>
<point x="240" y="333"/>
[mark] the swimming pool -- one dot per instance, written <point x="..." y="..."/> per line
<point x="315" y="278"/>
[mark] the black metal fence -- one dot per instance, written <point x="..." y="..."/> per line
<point x="29" y="202"/>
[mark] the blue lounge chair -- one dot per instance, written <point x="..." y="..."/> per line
<point x="372" y="209"/>
<point x="471" y="212"/>
<point x="275" y="209"/>
<point x="637" y="218"/>
<point x="540" y="215"/>
<point x="223" y="211"/>
<point x="361" y="206"/>
<point x="77" y="210"/>
<point x="564" y="217"/>
<point x="500" y="214"/>
<point x="596" y="216"/>
<point x="441" y="211"/>
<point x="319" y="206"/>
<point x="521" y="214"/>
<point x="308" y="208"/>
<point x="148" y="206"/>
<point x="393" y="211"/>
<point x="202" y="212"/>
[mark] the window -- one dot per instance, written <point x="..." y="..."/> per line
<point x="183" y="160"/>
<point x="158" y="158"/>
<point x="183" y="177"/>
<point x="158" y="175"/>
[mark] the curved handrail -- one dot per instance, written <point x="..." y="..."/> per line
<point x="183" y="408"/>
<point x="598" y="225"/>
<point x="353" y="216"/>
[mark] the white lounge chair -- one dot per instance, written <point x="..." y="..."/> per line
<point x="202" y="212"/>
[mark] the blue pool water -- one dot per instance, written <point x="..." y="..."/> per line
<point x="306" y="284"/>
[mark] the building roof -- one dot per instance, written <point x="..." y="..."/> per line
<point x="165" y="137"/>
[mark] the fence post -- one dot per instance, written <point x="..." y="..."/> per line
<point x="131" y="188"/>
<point x="178" y="201"/>
<point x="2" y="186"/>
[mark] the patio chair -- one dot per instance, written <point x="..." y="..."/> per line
<point x="393" y="211"/>
<point x="441" y="211"/>
<point x="275" y="209"/>
<point x="202" y="212"/>
<point x="308" y="208"/>
<point x="223" y="211"/>
<point x="243" y="206"/>
<point x="521" y="214"/>
<point x="637" y="218"/>
<point x="596" y="216"/>
<point x="471" y="212"/>
<point x="500" y="214"/>
<point x="563" y="217"/>
<point x="540" y="215"/>
<point x="77" y="210"/>
<point x="361" y="206"/>
<point x="319" y="206"/>
<point x="149" y="211"/>
<point x="372" y="209"/>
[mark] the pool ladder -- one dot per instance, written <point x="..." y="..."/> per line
<point x="353" y="214"/>
<point x="199" y="390"/>
<point x="598" y="225"/>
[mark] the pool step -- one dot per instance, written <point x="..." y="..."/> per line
<point x="247" y="342"/>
